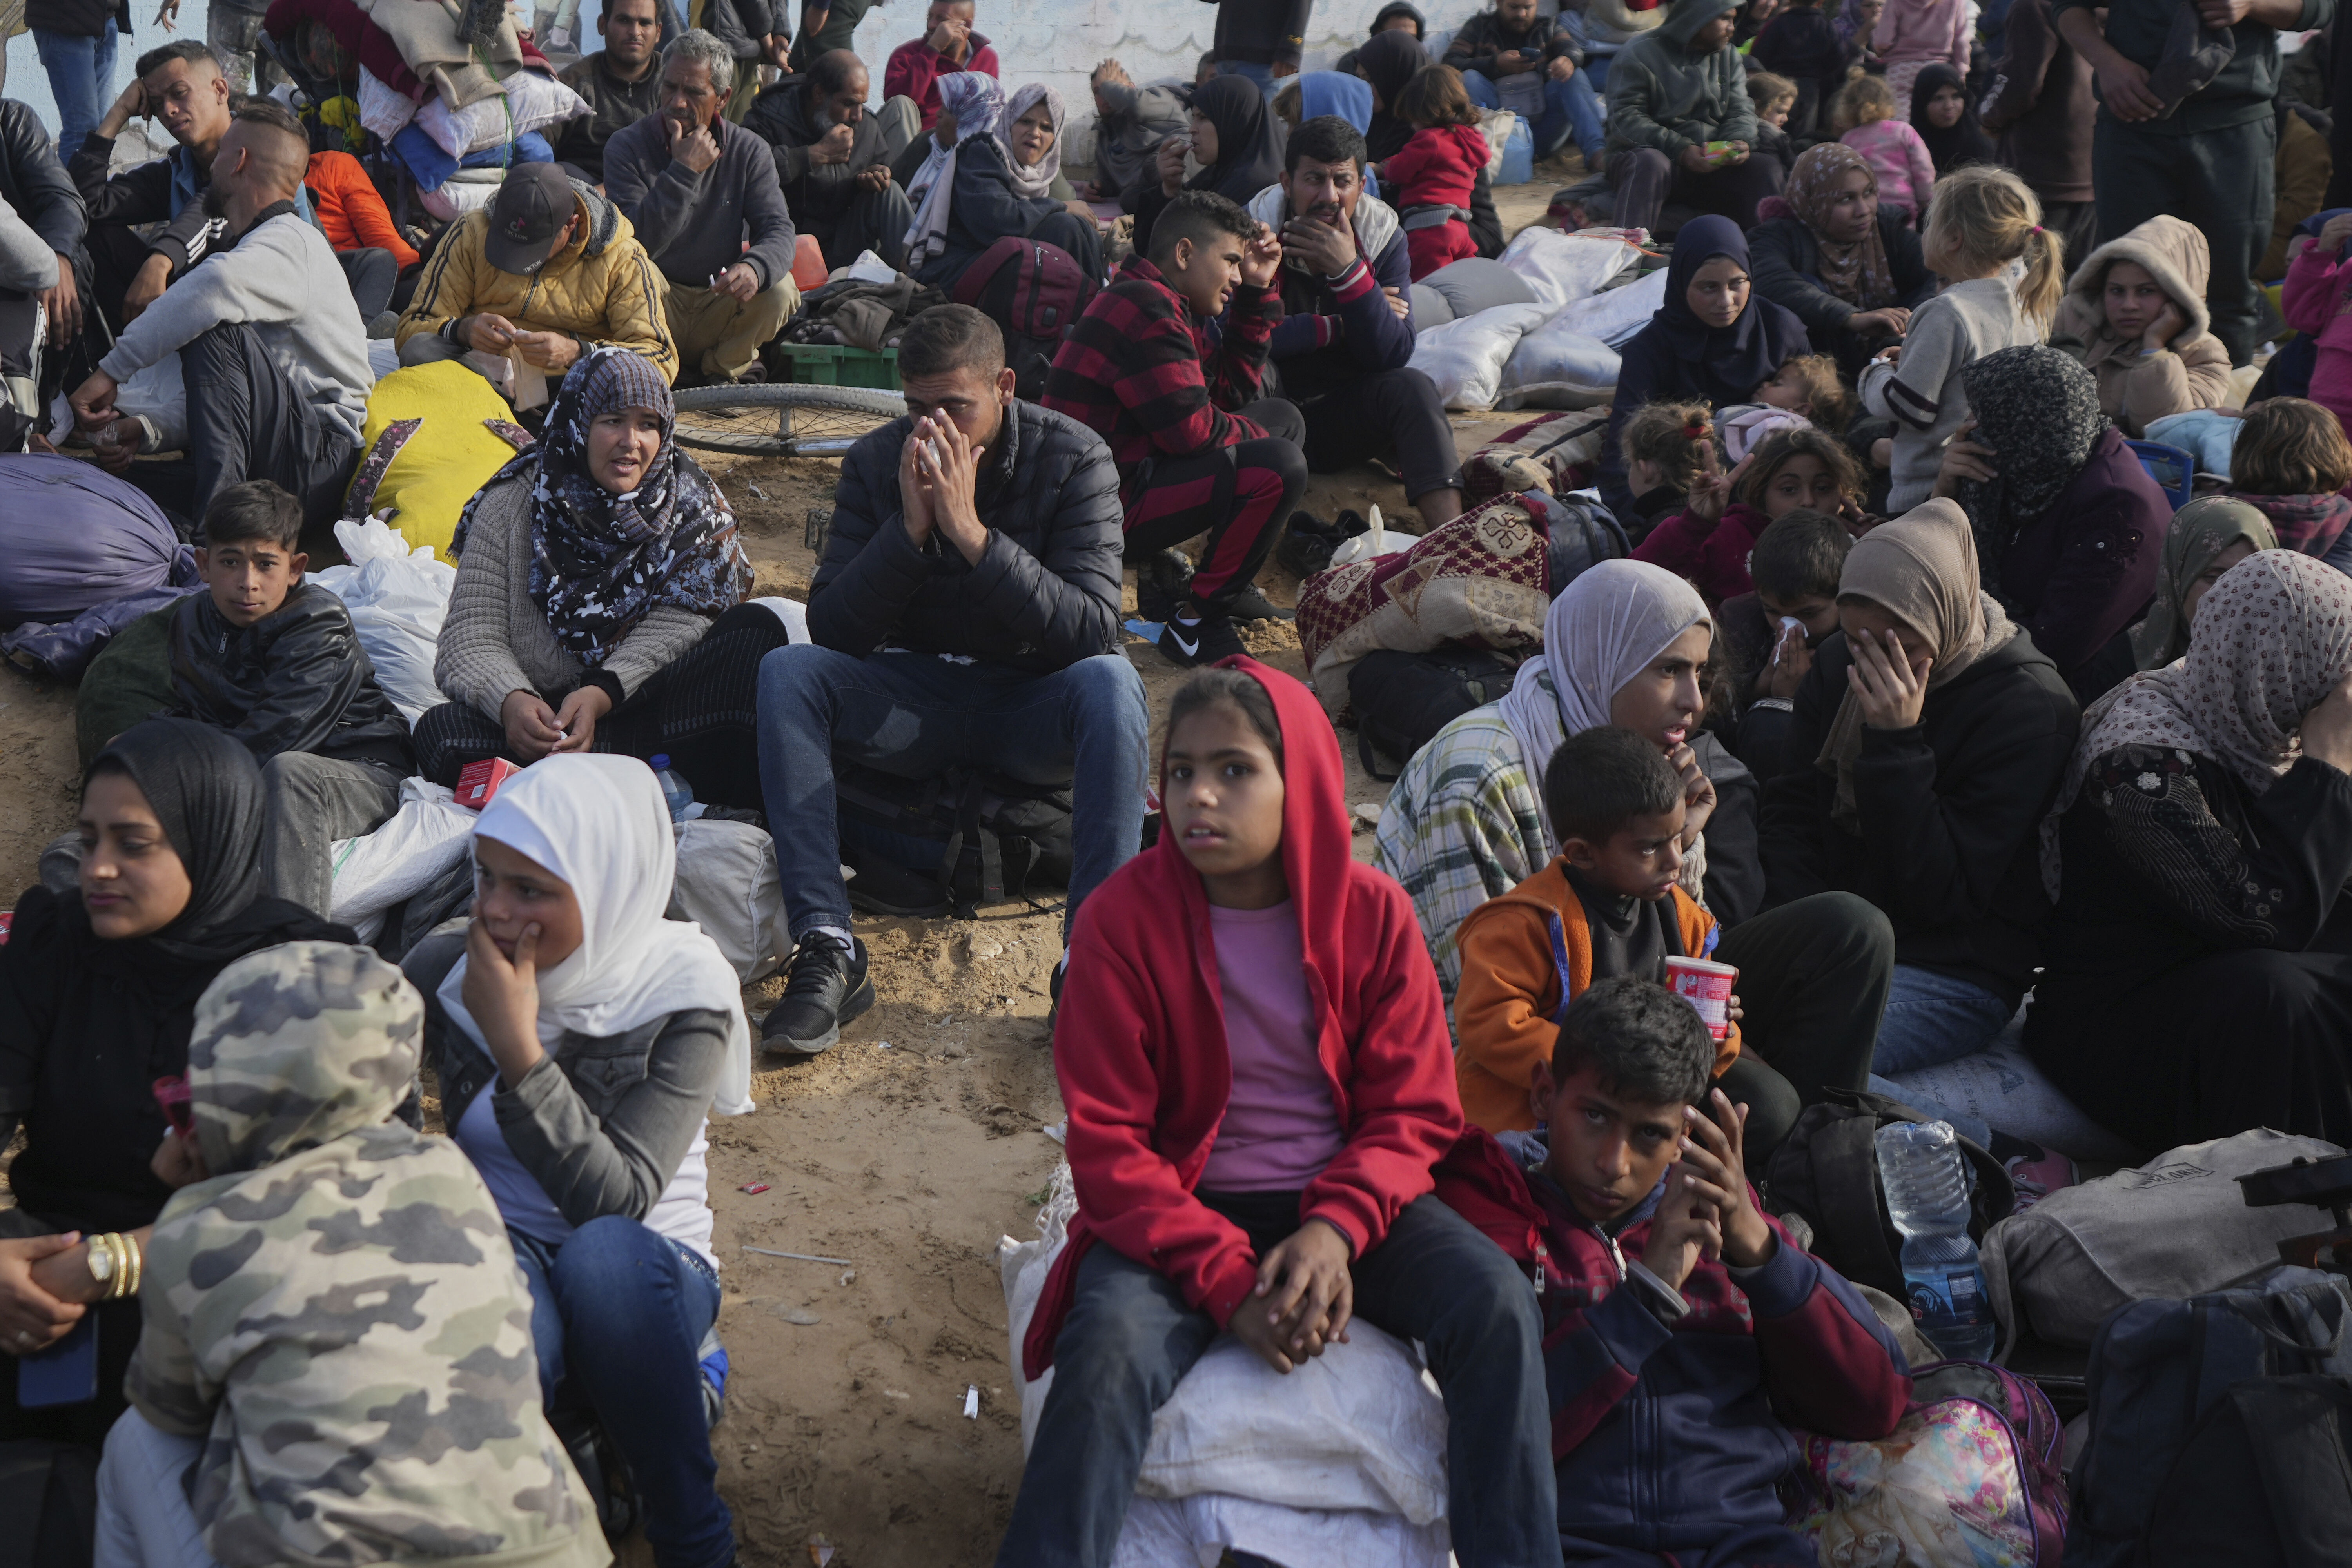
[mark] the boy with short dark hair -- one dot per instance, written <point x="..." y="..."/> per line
<point x="1170" y="393"/>
<point x="275" y="661"/>
<point x="1684" y="1331"/>
<point x="1794" y="566"/>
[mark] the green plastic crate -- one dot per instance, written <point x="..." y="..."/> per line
<point x="836" y="364"/>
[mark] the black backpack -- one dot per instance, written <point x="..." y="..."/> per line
<point x="1035" y="292"/>
<point x="1827" y="1169"/>
<point x="1401" y="700"/>
<point x="951" y="844"/>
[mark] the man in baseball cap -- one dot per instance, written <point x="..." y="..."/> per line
<point x="547" y="271"/>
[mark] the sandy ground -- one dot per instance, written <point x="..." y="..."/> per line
<point x="907" y="1151"/>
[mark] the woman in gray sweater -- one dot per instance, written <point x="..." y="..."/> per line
<point x="599" y="602"/>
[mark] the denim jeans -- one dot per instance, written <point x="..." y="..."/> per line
<point x="914" y="714"/>
<point x="1932" y="1019"/>
<point x="81" y="78"/>
<point x="625" y="1309"/>
<point x="1569" y="106"/>
<point x="1130" y="1338"/>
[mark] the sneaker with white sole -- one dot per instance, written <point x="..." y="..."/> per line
<point x="826" y="987"/>
<point x="1203" y="642"/>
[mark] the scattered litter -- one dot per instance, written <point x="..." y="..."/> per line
<point x="848" y="1275"/>
<point x="1367" y="815"/>
<point x="799" y="1316"/>
<point x="820" y="1549"/>
<point x="972" y="1401"/>
<point x="882" y="1045"/>
<point x="798" y="1257"/>
<point x="755" y="491"/>
<point x="1059" y="1132"/>
<point x="752" y="1187"/>
<point x="895" y="1394"/>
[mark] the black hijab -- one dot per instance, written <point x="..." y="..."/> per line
<point x="1729" y="361"/>
<point x="1965" y="142"/>
<point x="1249" y="139"/>
<point x="87" y="1024"/>
<point x="1389" y="60"/>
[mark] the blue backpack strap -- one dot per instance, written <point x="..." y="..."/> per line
<point x="1559" y="963"/>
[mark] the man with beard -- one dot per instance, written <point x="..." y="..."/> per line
<point x="265" y="326"/>
<point x="180" y="84"/>
<point x="620" y="82"/>
<point x="834" y="162"/>
<point x="1343" y="348"/>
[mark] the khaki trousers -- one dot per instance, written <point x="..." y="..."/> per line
<point x="719" y="336"/>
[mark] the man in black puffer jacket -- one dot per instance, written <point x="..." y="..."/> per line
<point x="966" y="612"/>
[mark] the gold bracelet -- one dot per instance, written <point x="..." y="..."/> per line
<point x="138" y="1264"/>
<point x="119" y="1267"/>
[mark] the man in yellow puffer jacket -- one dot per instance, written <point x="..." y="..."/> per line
<point x="549" y="269"/>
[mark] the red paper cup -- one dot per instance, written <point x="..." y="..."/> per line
<point x="1706" y="985"/>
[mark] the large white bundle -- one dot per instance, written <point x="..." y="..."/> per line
<point x="529" y="102"/>
<point x="398" y="599"/>
<point x="1565" y="267"/>
<point x="402" y="857"/>
<point x="1557" y="366"/>
<point x="1615" y="315"/>
<point x="1465" y="358"/>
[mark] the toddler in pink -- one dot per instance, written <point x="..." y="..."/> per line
<point x="1894" y="151"/>
<point x="1914" y="35"/>
<point x="2318" y="299"/>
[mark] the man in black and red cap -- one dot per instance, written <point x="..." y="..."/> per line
<point x="547" y="271"/>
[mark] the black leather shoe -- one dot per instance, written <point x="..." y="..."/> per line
<point x="826" y="987"/>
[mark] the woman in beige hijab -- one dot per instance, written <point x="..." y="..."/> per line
<point x="1939" y="733"/>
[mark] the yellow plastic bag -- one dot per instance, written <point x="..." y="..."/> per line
<point x="434" y="435"/>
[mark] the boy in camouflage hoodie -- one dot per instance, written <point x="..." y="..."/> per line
<point x="335" y="1310"/>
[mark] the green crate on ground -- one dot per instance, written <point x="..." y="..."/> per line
<point x="837" y="364"/>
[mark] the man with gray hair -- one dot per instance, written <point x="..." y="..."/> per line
<point x="696" y="187"/>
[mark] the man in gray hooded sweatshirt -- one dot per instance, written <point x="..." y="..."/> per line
<point x="1671" y="91"/>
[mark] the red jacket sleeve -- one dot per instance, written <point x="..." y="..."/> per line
<point x="1403" y="1110"/>
<point x="1130" y="1194"/>
<point x="1676" y="543"/>
<point x="1830" y="1363"/>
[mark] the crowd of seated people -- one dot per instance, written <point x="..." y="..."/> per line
<point x="1909" y="694"/>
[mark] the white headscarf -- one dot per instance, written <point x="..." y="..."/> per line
<point x="1031" y="184"/>
<point x="1600" y="633"/>
<point x="977" y="102"/>
<point x="600" y="825"/>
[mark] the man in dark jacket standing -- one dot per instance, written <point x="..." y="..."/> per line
<point x="181" y="85"/>
<point x="2169" y="144"/>
<point x="620" y="82"/>
<point x="35" y="186"/>
<point x="966" y="612"/>
<point x="695" y="188"/>
<point x="1343" y="349"/>
<point x="1261" y="39"/>
<point x="831" y="162"/>
<point x="2041" y="107"/>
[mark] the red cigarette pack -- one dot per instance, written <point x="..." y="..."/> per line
<point x="478" y="782"/>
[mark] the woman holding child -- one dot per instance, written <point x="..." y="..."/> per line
<point x="2198" y="977"/>
<point x="582" y="1042"/>
<point x="97" y="993"/>
<point x="1844" y="263"/>
<point x="599" y="602"/>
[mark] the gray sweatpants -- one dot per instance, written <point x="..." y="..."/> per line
<point x="312" y="801"/>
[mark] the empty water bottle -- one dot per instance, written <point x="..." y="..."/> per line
<point x="676" y="792"/>
<point x="1928" y="1194"/>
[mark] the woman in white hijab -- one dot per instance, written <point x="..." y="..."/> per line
<point x="1626" y="644"/>
<point x="581" y="1041"/>
<point x="994" y="172"/>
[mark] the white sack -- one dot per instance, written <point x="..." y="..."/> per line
<point x="1615" y="315"/>
<point x="404" y="856"/>
<point x="398" y="599"/>
<point x="1465" y="358"/>
<point x="1565" y="267"/>
<point x="1557" y="366"/>
<point x="526" y="101"/>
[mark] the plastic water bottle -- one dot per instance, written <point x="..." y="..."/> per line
<point x="676" y="791"/>
<point x="1928" y="1194"/>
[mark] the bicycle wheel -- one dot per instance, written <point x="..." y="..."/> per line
<point x="789" y="419"/>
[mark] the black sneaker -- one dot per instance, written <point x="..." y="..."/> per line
<point x="1203" y="642"/>
<point x="1252" y="604"/>
<point x="826" y="987"/>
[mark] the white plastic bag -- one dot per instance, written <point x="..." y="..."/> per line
<point x="524" y="101"/>
<point x="1465" y="358"/>
<point x="726" y="884"/>
<point x="1557" y="366"/>
<point x="384" y="109"/>
<point x="1565" y="267"/>
<point x="397" y="598"/>
<point x="1496" y="125"/>
<point x="404" y="856"/>
<point x="867" y="269"/>
<point x="1615" y="315"/>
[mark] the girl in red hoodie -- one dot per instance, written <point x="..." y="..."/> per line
<point x="1252" y="1051"/>
<point x="1430" y="180"/>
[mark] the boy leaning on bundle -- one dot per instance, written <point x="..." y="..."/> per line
<point x="1684" y="1331"/>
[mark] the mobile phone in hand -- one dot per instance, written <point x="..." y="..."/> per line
<point x="64" y="1374"/>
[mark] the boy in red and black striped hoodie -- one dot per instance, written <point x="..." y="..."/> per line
<point x="1198" y="450"/>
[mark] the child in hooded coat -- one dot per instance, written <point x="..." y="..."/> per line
<point x="1253" y="1049"/>
<point x="2142" y="325"/>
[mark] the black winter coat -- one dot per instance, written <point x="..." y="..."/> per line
<point x="1261" y="31"/>
<point x="35" y="184"/>
<point x="78" y="18"/>
<point x="1785" y="260"/>
<point x="1045" y="592"/>
<point x="296" y="680"/>
<point x="1951" y="814"/>
<point x="144" y="194"/>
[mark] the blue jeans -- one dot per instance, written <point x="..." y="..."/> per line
<point x="624" y="1310"/>
<point x="1261" y="74"/>
<point x="81" y="78"/>
<point x="1131" y="1337"/>
<point x="913" y="715"/>
<point x="1571" y="105"/>
<point x="1932" y="1019"/>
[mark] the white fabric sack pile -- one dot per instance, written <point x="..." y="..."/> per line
<point x="1557" y="366"/>
<point x="1465" y="358"/>
<point x="1615" y="315"/>
<point x="398" y="599"/>
<point x="384" y="109"/>
<point x="528" y="102"/>
<point x="1341" y="1464"/>
<point x="404" y="856"/>
<point x="1565" y="267"/>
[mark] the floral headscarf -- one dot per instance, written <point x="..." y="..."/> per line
<point x="1855" y="271"/>
<point x="2199" y="531"/>
<point x="599" y="562"/>
<point x="2271" y="638"/>
<point x="976" y="102"/>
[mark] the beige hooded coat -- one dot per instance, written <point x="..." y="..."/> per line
<point x="2191" y="371"/>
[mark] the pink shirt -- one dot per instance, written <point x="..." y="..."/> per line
<point x="1907" y="173"/>
<point x="1280" y="1128"/>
